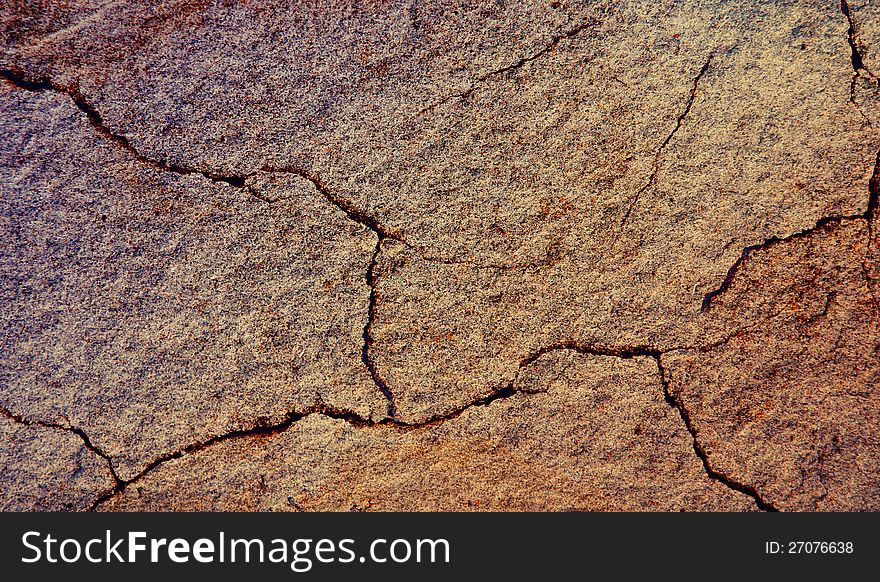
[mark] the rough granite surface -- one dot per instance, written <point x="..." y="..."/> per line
<point x="607" y="441"/>
<point x="418" y="255"/>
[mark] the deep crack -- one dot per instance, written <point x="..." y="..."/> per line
<point x="87" y="442"/>
<point x="823" y="224"/>
<point x="873" y="192"/>
<point x="725" y="480"/>
<point x="858" y="62"/>
<point x="382" y="233"/>
<point x="368" y="338"/>
<point x="856" y="59"/>
<point x="625" y="352"/>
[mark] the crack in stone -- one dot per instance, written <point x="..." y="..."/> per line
<point x="870" y="215"/>
<point x="351" y="211"/>
<point x="554" y="42"/>
<point x="858" y="63"/>
<point x="625" y="352"/>
<point x="290" y="419"/>
<point x="259" y="430"/>
<point x="823" y="224"/>
<point x="44" y="84"/>
<point x="873" y="193"/>
<point x="382" y="232"/>
<point x="502" y="393"/>
<point x="655" y="165"/>
<point x="368" y="338"/>
<point x="237" y="181"/>
<point x="700" y="451"/>
<point x="87" y="442"/>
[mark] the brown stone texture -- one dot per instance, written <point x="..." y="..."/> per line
<point x="47" y="468"/>
<point x="154" y="309"/>
<point x="419" y="255"/>
<point x="582" y="432"/>
<point x="789" y="402"/>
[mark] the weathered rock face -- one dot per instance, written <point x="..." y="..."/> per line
<point x="343" y="229"/>
<point x="789" y="402"/>
<point x="580" y="433"/>
<point x="152" y="309"/>
<point x="49" y="469"/>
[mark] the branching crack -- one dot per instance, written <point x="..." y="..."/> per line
<point x="858" y="63"/>
<point x="655" y="164"/>
<point x="237" y="181"/>
<point x="501" y="393"/>
<point x="259" y="430"/>
<point x="289" y="419"/>
<point x="383" y="233"/>
<point x="554" y="42"/>
<point x="700" y="451"/>
<point x="87" y="442"/>
<point x="241" y="180"/>
<point x="822" y="225"/>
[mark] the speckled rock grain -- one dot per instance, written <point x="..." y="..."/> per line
<point x="453" y="254"/>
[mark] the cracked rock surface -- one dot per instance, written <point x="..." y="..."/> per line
<point x="49" y="469"/>
<point x="789" y="403"/>
<point x="440" y="255"/>
<point x="153" y="309"/>
<point x="582" y="432"/>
